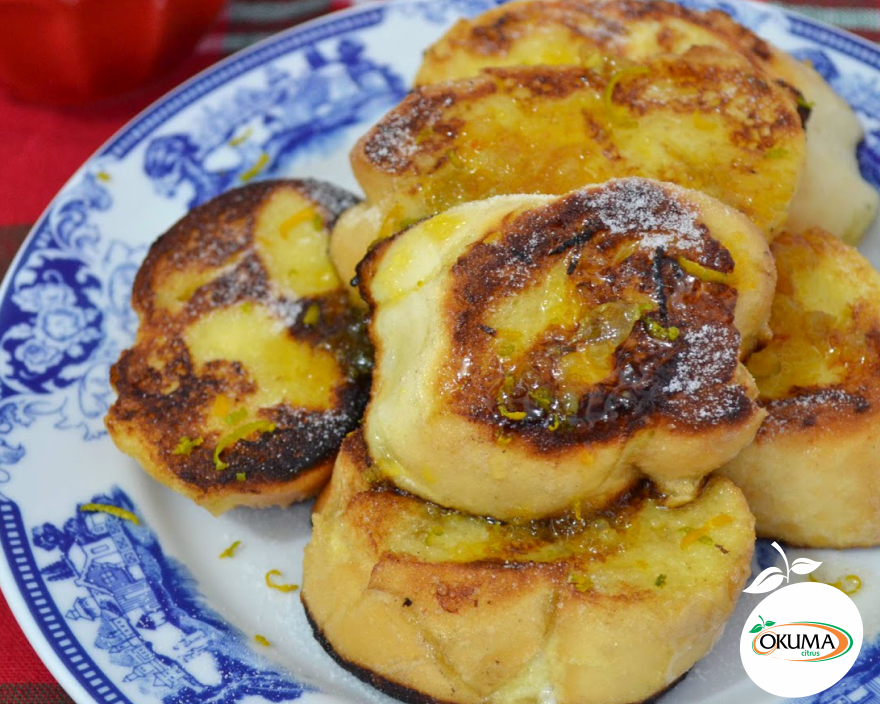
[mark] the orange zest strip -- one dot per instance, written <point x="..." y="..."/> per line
<point x="112" y="510"/>
<point x="230" y="551"/>
<point x="695" y="534"/>
<point x="277" y="585"/>
<point x="261" y="426"/>
<point x="298" y="218"/>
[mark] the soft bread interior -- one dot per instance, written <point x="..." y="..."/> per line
<point x="812" y="476"/>
<point x="587" y="609"/>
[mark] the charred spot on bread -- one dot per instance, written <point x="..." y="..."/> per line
<point x="645" y="366"/>
<point x="418" y="122"/>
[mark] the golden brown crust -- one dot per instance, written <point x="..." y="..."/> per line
<point x="574" y="230"/>
<point x="208" y="264"/>
<point x="407" y="694"/>
<point x="441" y="606"/>
<point x="607" y="26"/>
<point x="420" y="131"/>
<point x="533" y="351"/>
<point x="215" y="233"/>
<point x="812" y="476"/>
<point x="577" y="32"/>
<point x="704" y="120"/>
<point x="845" y="332"/>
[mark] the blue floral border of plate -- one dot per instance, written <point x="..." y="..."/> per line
<point x="89" y="532"/>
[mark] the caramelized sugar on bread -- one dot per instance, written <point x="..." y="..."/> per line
<point x="580" y="32"/>
<point x="812" y="476"/>
<point x="704" y="120"/>
<point x="573" y="32"/>
<point x="535" y="351"/>
<point x="432" y="605"/>
<point x="249" y="365"/>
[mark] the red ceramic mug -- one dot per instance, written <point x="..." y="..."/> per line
<point x="66" y="52"/>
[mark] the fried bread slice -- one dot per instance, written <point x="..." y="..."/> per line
<point x="249" y="365"/>
<point x="535" y="351"/>
<point x="832" y="194"/>
<point x="812" y="476"/>
<point x="704" y="120"/>
<point x="430" y="605"/>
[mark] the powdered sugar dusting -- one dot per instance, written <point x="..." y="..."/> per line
<point x="332" y="198"/>
<point x="246" y="281"/>
<point x="702" y="386"/>
<point x="804" y="408"/>
<point x="825" y="397"/>
<point x="287" y="311"/>
<point x="637" y="205"/>
<point x="394" y="142"/>
<point x="325" y="427"/>
<point x="703" y="362"/>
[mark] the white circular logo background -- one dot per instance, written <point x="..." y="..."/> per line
<point x="793" y="671"/>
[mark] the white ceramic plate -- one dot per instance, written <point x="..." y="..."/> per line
<point x="149" y="614"/>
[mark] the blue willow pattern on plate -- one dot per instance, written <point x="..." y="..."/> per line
<point x="65" y="317"/>
<point x="140" y="597"/>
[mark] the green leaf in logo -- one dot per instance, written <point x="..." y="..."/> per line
<point x="770" y="623"/>
<point x="756" y="628"/>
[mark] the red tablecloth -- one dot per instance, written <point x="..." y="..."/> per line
<point x="41" y="147"/>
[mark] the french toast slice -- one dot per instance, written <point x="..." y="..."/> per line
<point x="535" y="352"/>
<point x="250" y="365"/>
<point x="704" y="120"/>
<point x="577" y="32"/>
<point x="812" y="475"/>
<point x="430" y="605"/>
